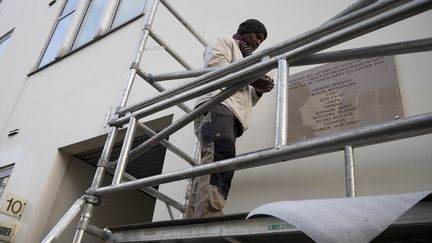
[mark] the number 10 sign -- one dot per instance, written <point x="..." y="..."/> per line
<point x="13" y="206"/>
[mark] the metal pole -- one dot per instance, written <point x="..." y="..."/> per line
<point x="102" y="234"/>
<point x="349" y="172"/>
<point x="420" y="45"/>
<point x="373" y="134"/>
<point x="158" y="195"/>
<point x="354" y="7"/>
<point x="180" y="123"/>
<point x="170" y="50"/>
<point x="148" y="21"/>
<point x="64" y="221"/>
<point x="279" y="48"/>
<point x="405" y="47"/>
<point x="171" y="147"/>
<point x="127" y="145"/>
<point x="84" y="221"/>
<point x="281" y="133"/>
<point x="250" y="72"/>
<point x="169" y="211"/>
<point x="190" y="181"/>
<point x="184" y="22"/>
<point x="179" y="75"/>
<point x="159" y="88"/>
<point x="366" y="26"/>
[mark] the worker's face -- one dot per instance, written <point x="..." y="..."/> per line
<point x="253" y="40"/>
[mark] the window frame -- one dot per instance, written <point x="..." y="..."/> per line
<point x="81" y="9"/>
<point x="5" y="172"/>
<point x="60" y="17"/>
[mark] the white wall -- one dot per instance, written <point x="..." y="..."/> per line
<point x="125" y="208"/>
<point x="66" y="103"/>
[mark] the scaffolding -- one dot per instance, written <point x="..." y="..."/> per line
<point x="362" y="17"/>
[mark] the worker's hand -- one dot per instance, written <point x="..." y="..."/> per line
<point x="263" y="84"/>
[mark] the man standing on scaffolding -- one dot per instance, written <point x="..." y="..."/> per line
<point x="218" y="129"/>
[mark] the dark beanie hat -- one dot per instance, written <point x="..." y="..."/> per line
<point x="252" y="26"/>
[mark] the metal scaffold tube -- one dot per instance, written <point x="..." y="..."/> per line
<point x="189" y="117"/>
<point x="64" y="221"/>
<point x="281" y="133"/>
<point x="356" y="30"/>
<point x="127" y="145"/>
<point x="88" y="207"/>
<point x="158" y="87"/>
<point x="349" y="171"/>
<point x="277" y="49"/>
<point x="184" y="22"/>
<point x="170" y="50"/>
<point x="155" y="193"/>
<point x="406" y="47"/>
<point x="171" y="147"/>
<point x="354" y="7"/>
<point x="182" y="106"/>
<point x="179" y="75"/>
<point x="148" y="21"/>
<point x="86" y="215"/>
<point x="373" y="134"/>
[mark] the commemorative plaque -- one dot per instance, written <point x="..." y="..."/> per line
<point x="341" y="96"/>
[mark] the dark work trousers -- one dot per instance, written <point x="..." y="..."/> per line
<point x="217" y="131"/>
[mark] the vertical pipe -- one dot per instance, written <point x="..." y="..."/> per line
<point x="148" y="21"/>
<point x="349" y="172"/>
<point x="169" y="211"/>
<point x="84" y="222"/>
<point x="88" y="208"/>
<point x="106" y="154"/>
<point x="64" y="221"/>
<point x="281" y="133"/>
<point x="127" y="145"/>
<point x="196" y="155"/>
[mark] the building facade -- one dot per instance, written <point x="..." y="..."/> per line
<point x="63" y="67"/>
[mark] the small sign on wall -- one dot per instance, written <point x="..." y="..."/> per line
<point x="13" y="206"/>
<point x="7" y="232"/>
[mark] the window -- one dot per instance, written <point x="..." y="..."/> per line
<point x="59" y="33"/>
<point x="127" y="10"/>
<point x="4" y="41"/>
<point x="93" y="22"/>
<point x="5" y="173"/>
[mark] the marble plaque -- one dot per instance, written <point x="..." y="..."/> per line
<point x="341" y="96"/>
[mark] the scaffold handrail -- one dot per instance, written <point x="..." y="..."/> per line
<point x="368" y="25"/>
<point x="364" y="136"/>
<point x="274" y="50"/>
<point x="397" y="48"/>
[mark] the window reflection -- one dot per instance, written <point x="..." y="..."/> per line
<point x="91" y="22"/>
<point x="56" y="40"/>
<point x="88" y="26"/>
<point x="59" y="33"/>
<point x="3" y="42"/>
<point x="127" y="10"/>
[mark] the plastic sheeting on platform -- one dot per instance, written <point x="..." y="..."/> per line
<point x="358" y="219"/>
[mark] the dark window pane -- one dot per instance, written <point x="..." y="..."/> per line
<point x="127" y="10"/>
<point x="91" y="21"/>
<point x="56" y="40"/>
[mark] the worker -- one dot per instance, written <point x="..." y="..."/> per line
<point x="218" y="129"/>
